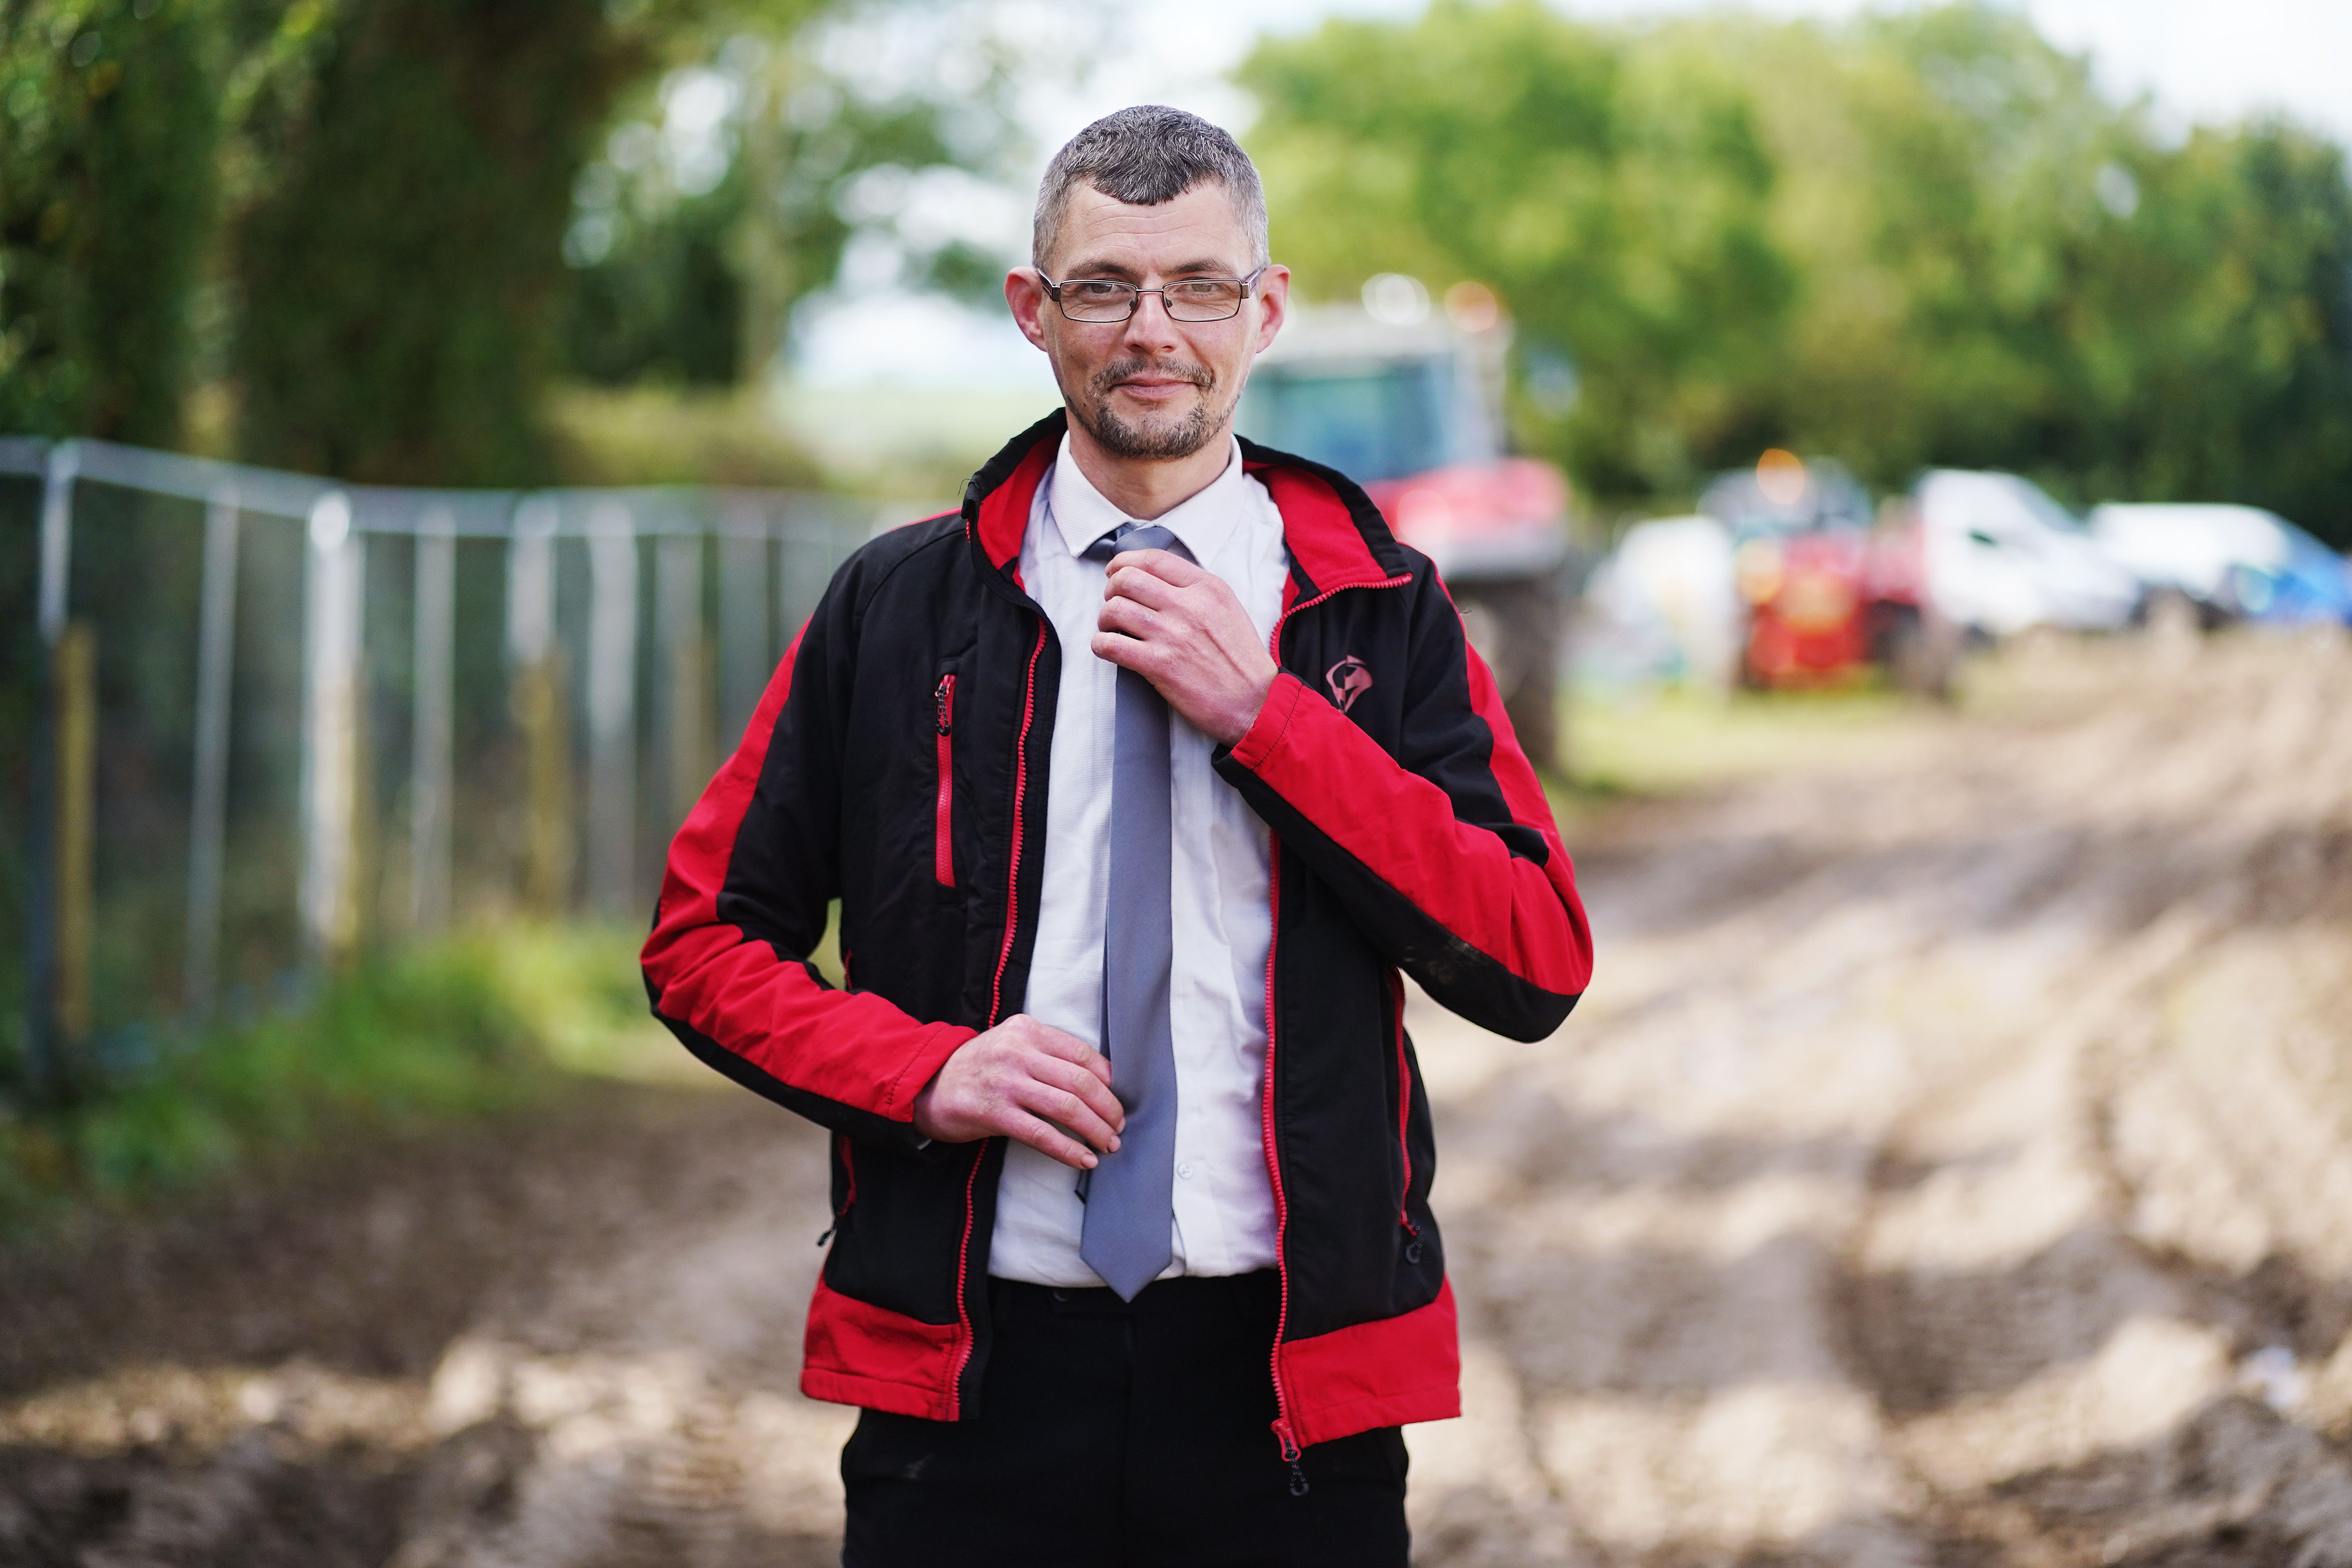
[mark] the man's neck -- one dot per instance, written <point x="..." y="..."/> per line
<point x="1145" y="488"/>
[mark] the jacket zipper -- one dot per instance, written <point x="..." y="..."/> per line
<point x="1282" y="1428"/>
<point x="1284" y="1432"/>
<point x="1404" y="1119"/>
<point x="943" y="838"/>
<point x="848" y="1197"/>
<point x="995" y="1001"/>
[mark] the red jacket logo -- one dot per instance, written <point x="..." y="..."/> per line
<point x="1349" y="679"/>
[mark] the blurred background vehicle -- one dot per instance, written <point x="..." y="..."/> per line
<point x="1410" y="404"/>
<point x="1829" y="590"/>
<point x="2229" y="562"/>
<point x="1665" y="606"/>
<point x="2000" y="556"/>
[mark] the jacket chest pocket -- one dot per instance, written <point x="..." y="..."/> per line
<point x="943" y="809"/>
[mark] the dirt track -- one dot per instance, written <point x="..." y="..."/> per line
<point x="1952" y="1165"/>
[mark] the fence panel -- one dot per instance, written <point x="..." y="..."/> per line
<point x="259" y="721"/>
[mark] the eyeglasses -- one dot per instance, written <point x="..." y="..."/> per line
<point x="1187" y="299"/>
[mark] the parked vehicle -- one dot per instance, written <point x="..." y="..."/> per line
<point x="2000" y="556"/>
<point x="2231" y="561"/>
<point x="1829" y="590"/>
<point x="1413" y="413"/>
<point x="1665" y="605"/>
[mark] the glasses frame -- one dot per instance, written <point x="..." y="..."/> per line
<point x="1249" y="292"/>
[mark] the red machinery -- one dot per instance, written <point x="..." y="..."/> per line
<point x="1829" y="590"/>
<point x="1411" y="407"/>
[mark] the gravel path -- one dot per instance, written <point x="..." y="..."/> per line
<point x="1952" y="1165"/>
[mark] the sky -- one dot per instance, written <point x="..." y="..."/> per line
<point x="2199" y="61"/>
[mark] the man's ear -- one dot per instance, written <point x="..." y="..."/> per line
<point x="1273" y="304"/>
<point x="1024" y="290"/>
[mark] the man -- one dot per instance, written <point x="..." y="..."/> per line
<point x="1132" y="1259"/>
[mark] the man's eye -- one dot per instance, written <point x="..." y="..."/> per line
<point x="1203" y="290"/>
<point x="1096" y="291"/>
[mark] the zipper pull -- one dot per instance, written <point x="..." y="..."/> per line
<point x="1290" y="1455"/>
<point x="828" y="1233"/>
<point x="943" y="705"/>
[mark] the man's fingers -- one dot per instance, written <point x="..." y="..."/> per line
<point x="1070" y="1048"/>
<point x="1165" y="564"/>
<point x="1132" y="616"/>
<point x="1129" y="653"/>
<point x="1096" y="1091"/>
<point x="1134" y="583"/>
<point x="1067" y="1112"/>
<point x="1050" y="1141"/>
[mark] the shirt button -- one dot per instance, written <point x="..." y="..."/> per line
<point x="1184" y="1170"/>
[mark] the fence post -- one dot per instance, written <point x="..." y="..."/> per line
<point x="331" y="637"/>
<point x="208" y="813"/>
<point x="44" y="1053"/>
<point x="744" y="657"/>
<point x="76" y="697"/>
<point x="685" y="654"/>
<point x="612" y="711"/>
<point x="539" y="706"/>
<point x="430" y="750"/>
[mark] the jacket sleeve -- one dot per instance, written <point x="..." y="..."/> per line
<point x="1445" y="853"/>
<point x="743" y="903"/>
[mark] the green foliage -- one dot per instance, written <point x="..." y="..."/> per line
<point x="692" y="242"/>
<point x="1915" y="237"/>
<point x="1617" y="205"/>
<point x="402" y="1044"/>
<point x="107" y="127"/>
<point x="398" y="274"/>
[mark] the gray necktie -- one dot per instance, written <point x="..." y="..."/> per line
<point x="1129" y="1196"/>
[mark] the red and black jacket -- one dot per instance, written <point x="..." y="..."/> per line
<point x="898" y="763"/>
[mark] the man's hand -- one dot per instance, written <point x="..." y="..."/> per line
<point x="1029" y="1082"/>
<point x="1180" y="627"/>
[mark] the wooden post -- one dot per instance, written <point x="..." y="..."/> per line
<point x="537" y="700"/>
<point x="431" y="745"/>
<point x="77" y="707"/>
<point x="612" y="711"/>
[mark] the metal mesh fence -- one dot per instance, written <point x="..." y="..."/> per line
<point x="256" y="720"/>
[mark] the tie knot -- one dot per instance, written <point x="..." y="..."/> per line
<point x="1131" y="536"/>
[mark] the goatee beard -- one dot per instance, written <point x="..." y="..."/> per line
<point x="1150" y="443"/>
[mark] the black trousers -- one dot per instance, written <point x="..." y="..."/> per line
<point x="1122" y="1435"/>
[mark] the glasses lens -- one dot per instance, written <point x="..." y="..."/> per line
<point x="1097" y="300"/>
<point x="1204" y="298"/>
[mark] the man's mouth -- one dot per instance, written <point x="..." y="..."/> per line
<point x="1154" y="383"/>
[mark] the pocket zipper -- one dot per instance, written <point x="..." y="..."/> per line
<point x="943" y="836"/>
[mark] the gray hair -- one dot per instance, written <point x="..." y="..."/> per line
<point x="1144" y="156"/>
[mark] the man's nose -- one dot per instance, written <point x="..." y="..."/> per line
<point x="1151" y="322"/>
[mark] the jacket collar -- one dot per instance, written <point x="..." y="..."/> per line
<point x="1335" y="536"/>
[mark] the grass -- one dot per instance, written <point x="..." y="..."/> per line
<point x="457" y="1030"/>
<point x="1670" y="742"/>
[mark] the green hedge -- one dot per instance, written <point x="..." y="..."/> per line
<point x="109" y="126"/>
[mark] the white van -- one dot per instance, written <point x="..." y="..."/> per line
<point x="2000" y="556"/>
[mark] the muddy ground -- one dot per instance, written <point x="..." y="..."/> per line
<point x="1951" y="1166"/>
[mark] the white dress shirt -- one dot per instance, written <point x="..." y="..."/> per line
<point x="1225" y="1217"/>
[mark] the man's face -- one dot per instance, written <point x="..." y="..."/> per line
<point x="1150" y="387"/>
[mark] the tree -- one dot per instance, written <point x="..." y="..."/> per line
<point x="1915" y="237"/>
<point x="397" y="274"/>
<point x="108" y="129"/>
<point x="1617" y="205"/>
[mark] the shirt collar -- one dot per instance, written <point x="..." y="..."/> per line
<point x="1203" y="521"/>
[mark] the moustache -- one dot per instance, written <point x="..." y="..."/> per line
<point x="1110" y="375"/>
